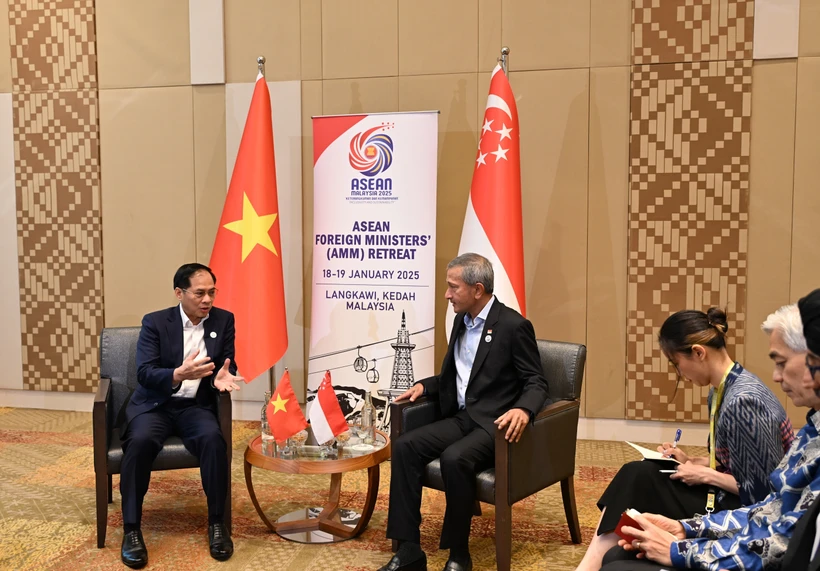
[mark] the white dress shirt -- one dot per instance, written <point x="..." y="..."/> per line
<point x="466" y="348"/>
<point x="193" y="338"/>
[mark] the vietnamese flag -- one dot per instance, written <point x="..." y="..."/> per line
<point x="284" y="415"/>
<point x="247" y="254"/>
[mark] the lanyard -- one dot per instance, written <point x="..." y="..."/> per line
<point x="717" y="400"/>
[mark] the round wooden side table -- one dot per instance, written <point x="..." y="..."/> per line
<point x="328" y="523"/>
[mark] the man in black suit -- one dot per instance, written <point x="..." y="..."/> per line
<point x="176" y="355"/>
<point x="491" y="379"/>
<point x="803" y="553"/>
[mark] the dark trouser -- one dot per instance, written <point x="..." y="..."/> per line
<point x="143" y="439"/>
<point x="465" y="449"/>
<point x="619" y="559"/>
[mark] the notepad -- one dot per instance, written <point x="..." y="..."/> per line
<point x="653" y="455"/>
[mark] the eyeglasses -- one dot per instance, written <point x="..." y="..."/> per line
<point x="813" y="369"/>
<point x="200" y="293"/>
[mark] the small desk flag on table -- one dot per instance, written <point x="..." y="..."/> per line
<point x="247" y="254"/>
<point x="493" y="222"/>
<point x="284" y="415"/>
<point x="326" y="417"/>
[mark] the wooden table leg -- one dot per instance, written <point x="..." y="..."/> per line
<point x="329" y="511"/>
<point x="326" y="520"/>
<point x="338" y="528"/>
<point x="373" y="474"/>
<point x="249" y="483"/>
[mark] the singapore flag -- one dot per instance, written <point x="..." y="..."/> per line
<point x="492" y="224"/>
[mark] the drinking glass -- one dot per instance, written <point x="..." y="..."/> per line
<point x="299" y="440"/>
<point x="342" y="440"/>
<point x="361" y="430"/>
<point x="326" y="450"/>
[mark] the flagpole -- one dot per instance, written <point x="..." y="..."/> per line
<point x="260" y="66"/>
<point x="505" y="52"/>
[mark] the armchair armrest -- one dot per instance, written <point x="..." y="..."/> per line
<point x="101" y="430"/>
<point x="553" y="408"/>
<point x="544" y="455"/>
<point x="225" y="411"/>
<point x="406" y="416"/>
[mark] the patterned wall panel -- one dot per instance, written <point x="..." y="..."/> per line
<point x="689" y="186"/>
<point x="664" y="31"/>
<point x="58" y="191"/>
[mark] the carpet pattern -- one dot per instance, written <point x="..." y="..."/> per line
<point x="47" y="509"/>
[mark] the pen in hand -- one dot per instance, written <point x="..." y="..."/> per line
<point x="667" y="453"/>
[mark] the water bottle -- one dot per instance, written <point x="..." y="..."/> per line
<point x="368" y="420"/>
<point x="267" y="435"/>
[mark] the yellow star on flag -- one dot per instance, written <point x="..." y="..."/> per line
<point x="253" y="228"/>
<point x="279" y="404"/>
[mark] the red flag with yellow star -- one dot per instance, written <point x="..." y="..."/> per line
<point x="247" y="254"/>
<point x="284" y="415"/>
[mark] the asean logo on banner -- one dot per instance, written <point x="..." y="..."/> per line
<point x="371" y="153"/>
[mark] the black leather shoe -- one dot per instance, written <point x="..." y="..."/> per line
<point x="395" y="564"/>
<point x="453" y="565"/>
<point x="220" y="540"/>
<point x="134" y="553"/>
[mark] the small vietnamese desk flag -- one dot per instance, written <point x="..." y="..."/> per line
<point x="247" y="254"/>
<point x="284" y="415"/>
<point x="326" y="417"/>
<point x="493" y="222"/>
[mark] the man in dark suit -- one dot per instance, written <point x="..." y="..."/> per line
<point x="491" y="379"/>
<point x="178" y="352"/>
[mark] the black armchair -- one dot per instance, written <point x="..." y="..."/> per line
<point x="544" y="456"/>
<point x="118" y="372"/>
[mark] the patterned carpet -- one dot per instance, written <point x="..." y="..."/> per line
<point x="47" y="509"/>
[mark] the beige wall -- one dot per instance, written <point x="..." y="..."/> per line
<point x="164" y="139"/>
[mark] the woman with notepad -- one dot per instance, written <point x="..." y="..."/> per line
<point x="749" y="433"/>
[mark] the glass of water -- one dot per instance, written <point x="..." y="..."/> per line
<point x="361" y="430"/>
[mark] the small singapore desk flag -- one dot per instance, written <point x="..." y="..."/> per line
<point x="247" y="254"/>
<point x="284" y="415"/>
<point x="326" y="417"/>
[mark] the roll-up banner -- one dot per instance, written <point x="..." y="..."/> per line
<point x="374" y="246"/>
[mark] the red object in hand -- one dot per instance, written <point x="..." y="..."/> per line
<point x="627" y="518"/>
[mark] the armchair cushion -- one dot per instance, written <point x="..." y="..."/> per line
<point x="173" y="455"/>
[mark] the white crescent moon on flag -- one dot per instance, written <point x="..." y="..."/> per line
<point x="498" y="103"/>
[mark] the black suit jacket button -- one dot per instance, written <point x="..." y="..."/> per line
<point x="156" y="404"/>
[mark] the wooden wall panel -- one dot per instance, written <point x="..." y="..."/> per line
<point x="771" y="180"/>
<point x="148" y="197"/>
<point x="607" y="235"/>
<point x="554" y="166"/>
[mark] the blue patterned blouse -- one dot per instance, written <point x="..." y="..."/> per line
<point x="755" y="537"/>
<point x="753" y="433"/>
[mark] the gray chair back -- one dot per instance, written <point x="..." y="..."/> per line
<point x="563" y="365"/>
<point x="118" y="362"/>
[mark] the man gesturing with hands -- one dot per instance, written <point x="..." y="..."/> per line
<point x="491" y="379"/>
<point x="177" y="353"/>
